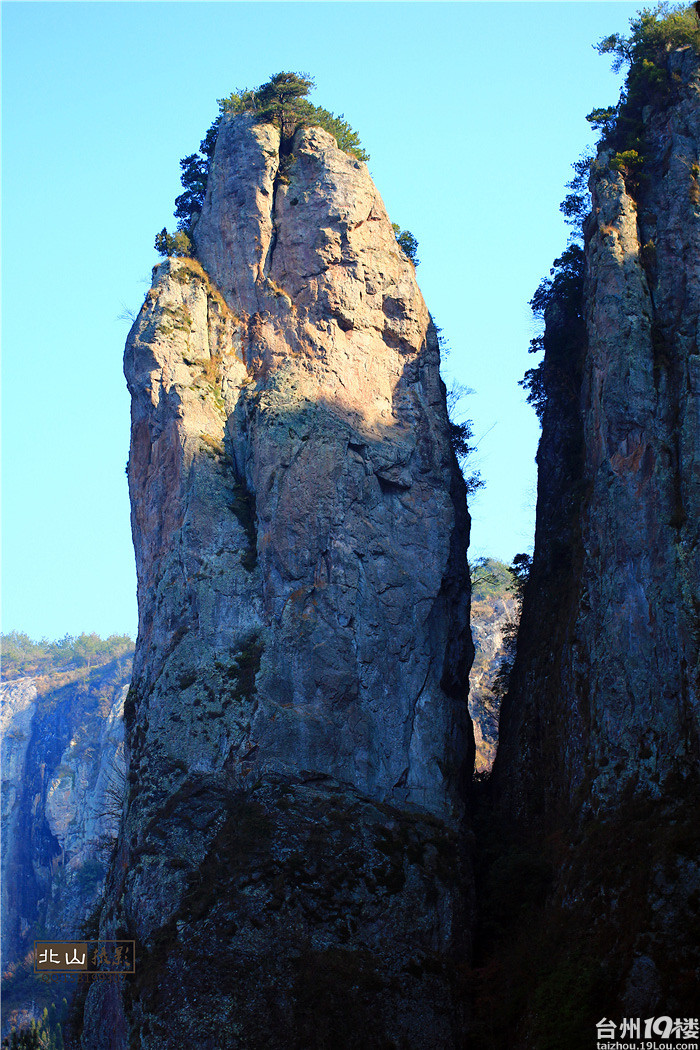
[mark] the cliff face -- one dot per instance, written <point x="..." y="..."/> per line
<point x="63" y="777"/>
<point x="298" y="728"/>
<point x="17" y="713"/>
<point x="600" y="731"/>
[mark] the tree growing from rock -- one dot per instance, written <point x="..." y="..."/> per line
<point x="281" y="101"/>
<point x="277" y="102"/>
<point x="407" y="242"/>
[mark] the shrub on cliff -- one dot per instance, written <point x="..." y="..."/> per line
<point x="407" y="242"/>
<point x="178" y="243"/>
<point x="627" y="162"/>
<point x="654" y="33"/>
<point x="461" y="431"/>
<point x="347" y="139"/>
<point x="576" y="205"/>
<point x="558" y="302"/>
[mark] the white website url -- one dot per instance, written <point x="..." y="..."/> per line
<point x="648" y="1044"/>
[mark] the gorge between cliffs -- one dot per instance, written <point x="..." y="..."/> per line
<point x="305" y="859"/>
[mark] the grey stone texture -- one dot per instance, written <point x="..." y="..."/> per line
<point x="297" y="723"/>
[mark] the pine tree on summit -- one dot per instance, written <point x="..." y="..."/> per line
<point x="278" y="101"/>
<point x="281" y="101"/>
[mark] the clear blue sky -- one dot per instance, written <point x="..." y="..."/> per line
<point x="472" y="114"/>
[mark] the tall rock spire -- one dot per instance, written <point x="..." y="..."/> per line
<point x="599" y="754"/>
<point x="290" y="864"/>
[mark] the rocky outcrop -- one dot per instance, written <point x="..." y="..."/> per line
<point x="63" y="781"/>
<point x="495" y="610"/>
<point x="297" y="723"/>
<point x="599" y="746"/>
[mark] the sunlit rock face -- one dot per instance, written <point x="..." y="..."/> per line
<point x="493" y="620"/>
<point x="292" y="865"/>
<point x="599" y="735"/>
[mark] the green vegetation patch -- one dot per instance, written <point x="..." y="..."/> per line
<point x="44" y="1034"/>
<point x="177" y="244"/>
<point x="22" y="656"/>
<point x="490" y="579"/>
<point x="654" y="33"/>
<point x="558" y="302"/>
<point x="282" y="102"/>
<point x="406" y="242"/>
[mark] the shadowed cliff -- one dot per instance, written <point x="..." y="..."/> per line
<point x="597" y="769"/>
<point x="63" y="782"/>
